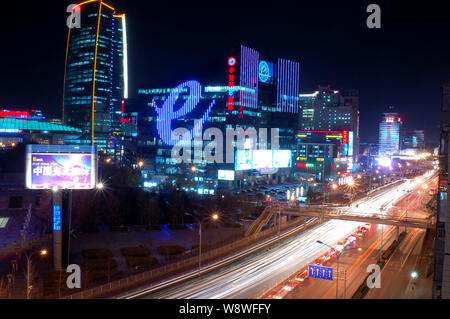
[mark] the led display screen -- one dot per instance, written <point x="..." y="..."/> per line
<point x="350" y="144"/>
<point x="224" y="175"/>
<point x="61" y="170"/>
<point x="244" y="160"/>
<point x="262" y="159"/>
<point x="282" y="158"/>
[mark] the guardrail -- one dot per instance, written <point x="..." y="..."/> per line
<point x="150" y="275"/>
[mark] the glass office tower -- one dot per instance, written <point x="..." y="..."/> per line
<point x="389" y="138"/>
<point x="95" y="79"/>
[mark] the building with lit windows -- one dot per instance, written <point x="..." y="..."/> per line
<point x="31" y="126"/>
<point x="255" y="92"/>
<point x="329" y="122"/>
<point x="324" y="155"/>
<point x="389" y="134"/>
<point x="96" y="73"/>
<point x="413" y="142"/>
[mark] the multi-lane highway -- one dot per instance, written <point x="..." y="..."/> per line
<point x="366" y="250"/>
<point x="248" y="277"/>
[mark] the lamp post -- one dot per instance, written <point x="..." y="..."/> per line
<point x="29" y="259"/>
<point x="213" y="217"/>
<point x="337" y="268"/>
<point x="414" y="275"/>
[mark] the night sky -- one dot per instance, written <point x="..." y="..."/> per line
<point x="403" y="65"/>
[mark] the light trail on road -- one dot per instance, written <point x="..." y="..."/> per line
<point x="248" y="277"/>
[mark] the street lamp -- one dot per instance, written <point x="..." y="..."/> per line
<point x="141" y="164"/>
<point x="213" y="217"/>
<point x="29" y="257"/>
<point x="337" y="267"/>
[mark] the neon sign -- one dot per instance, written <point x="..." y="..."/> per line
<point x="231" y="83"/>
<point x="166" y="112"/>
<point x="265" y="73"/>
<point x="15" y="114"/>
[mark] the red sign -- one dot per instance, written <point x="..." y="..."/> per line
<point x="231" y="63"/>
<point x="14" y="114"/>
<point x="345" y="138"/>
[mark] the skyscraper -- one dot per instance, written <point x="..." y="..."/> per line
<point x="332" y="114"/>
<point x="389" y="134"/>
<point x="96" y="72"/>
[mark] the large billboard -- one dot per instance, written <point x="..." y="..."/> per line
<point x="244" y="160"/>
<point x="282" y="158"/>
<point x="63" y="167"/>
<point x="226" y="175"/>
<point x="262" y="159"/>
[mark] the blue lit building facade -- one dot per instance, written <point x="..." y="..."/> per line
<point x="31" y="126"/>
<point x="96" y="74"/>
<point x="254" y="93"/>
<point x="389" y="134"/>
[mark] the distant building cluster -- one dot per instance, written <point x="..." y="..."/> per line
<point x="319" y="131"/>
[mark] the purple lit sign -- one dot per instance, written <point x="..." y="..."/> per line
<point x="64" y="171"/>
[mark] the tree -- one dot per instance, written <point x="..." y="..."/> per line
<point x="149" y="210"/>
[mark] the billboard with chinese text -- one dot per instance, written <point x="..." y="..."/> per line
<point x="70" y="170"/>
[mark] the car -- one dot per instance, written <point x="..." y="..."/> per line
<point x="351" y="238"/>
<point x="302" y="276"/>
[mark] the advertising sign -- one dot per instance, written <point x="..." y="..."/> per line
<point x="225" y="175"/>
<point x="282" y="158"/>
<point x="244" y="160"/>
<point x="350" y="144"/>
<point x="69" y="170"/>
<point x="262" y="159"/>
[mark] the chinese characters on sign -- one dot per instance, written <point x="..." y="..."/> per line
<point x="65" y="171"/>
<point x="56" y="218"/>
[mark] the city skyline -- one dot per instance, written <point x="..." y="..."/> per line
<point x="222" y="151"/>
<point x="382" y="78"/>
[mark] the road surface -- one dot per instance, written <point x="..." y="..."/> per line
<point x="255" y="274"/>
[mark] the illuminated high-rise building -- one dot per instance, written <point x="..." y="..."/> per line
<point x="326" y="111"/>
<point x="389" y="134"/>
<point x="96" y="72"/>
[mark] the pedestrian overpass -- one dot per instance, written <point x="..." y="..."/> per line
<point x="274" y="212"/>
<point x="364" y="217"/>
